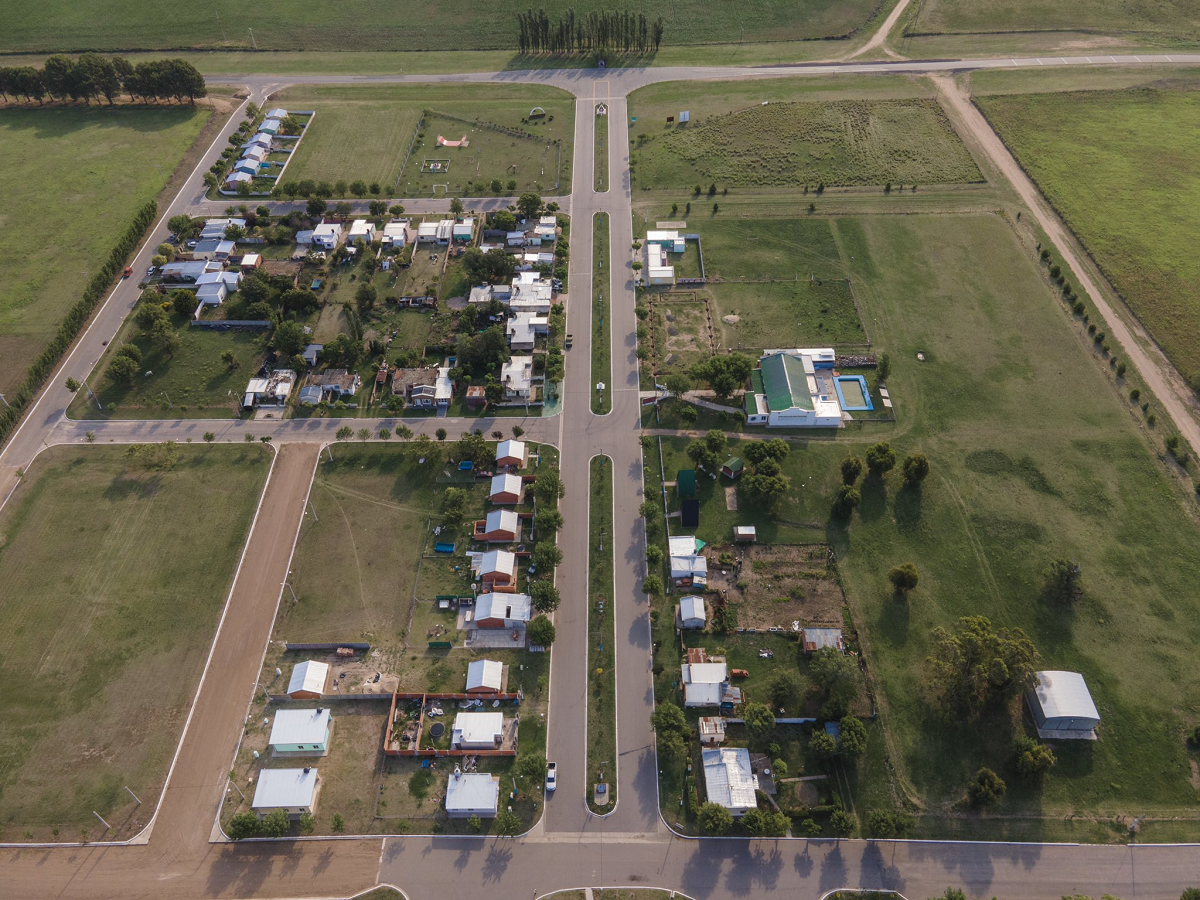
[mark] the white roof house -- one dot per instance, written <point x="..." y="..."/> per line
<point x="257" y="153"/>
<point x="512" y="452"/>
<point x="703" y="683"/>
<point x="308" y="679"/>
<point x="686" y="562"/>
<point x="498" y="566"/>
<point x="246" y="165"/>
<point x="524" y="328"/>
<point x="271" y="126"/>
<point x="729" y="779"/>
<point x="485" y="675"/>
<point x="395" y="234"/>
<point x="658" y="265"/>
<point x="505" y="520"/>
<point x="445" y="231"/>
<point x="511" y="609"/>
<point x="239" y="178"/>
<point x="517" y="377"/>
<point x="426" y="232"/>
<point x="273" y="389"/>
<point x="471" y="794"/>
<point x="362" y="230"/>
<point x="295" y="729"/>
<point x="277" y="113"/>
<point x="692" y="613"/>
<point x="1062" y="706"/>
<point x="327" y="235"/>
<point x="464" y="230"/>
<point x="212" y="293"/>
<point x="292" y="790"/>
<point x="506" y="486"/>
<point x="474" y="730"/>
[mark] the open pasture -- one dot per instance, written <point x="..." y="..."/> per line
<point x="1162" y="19"/>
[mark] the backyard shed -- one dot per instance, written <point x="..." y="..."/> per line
<point x="745" y="534"/>
<point x="301" y="731"/>
<point x="712" y="729"/>
<point x="733" y="467"/>
<point x="308" y="680"/>
<point x="692" y="613"/>
<point x="485" y="676"/>
<point x="477" y="730"/>
<point x="292" y="790"/>
<point x="471" y="794"/>
<point x="729" y="780"/>
<point x="813" y="639"/>
<point x="1062" y="706"/>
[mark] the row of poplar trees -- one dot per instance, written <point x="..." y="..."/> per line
<point x="608" y="30"/>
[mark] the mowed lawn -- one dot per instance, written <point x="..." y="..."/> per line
<point x="1176" y="19"/>
<point x="114" y="579"/>
<point x="1121" y="166"/>
<point x="73" y="179"/>
<point x="740" y="138"/>
<point x="374" y="25"/>
<point x="365" y="133"/>
<point x="1034" y="455"/>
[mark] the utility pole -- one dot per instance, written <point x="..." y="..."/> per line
<point x="222" y="24"/>
<point x="295" y="599"/>
<point x="314" y="510"/>
<point x="253" y="43"/>
<point x="133" y="795"/>
<point x="90" y="394"/>
<point x="107" y="827"/>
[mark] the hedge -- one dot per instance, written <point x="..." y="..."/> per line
<point x="75" y="319"/>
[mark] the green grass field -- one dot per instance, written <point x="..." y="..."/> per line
<point x="602" y="678"/>
<point x="1120" y="167"/>
<point x="73" y="180"/>
<point x="1034" y="456"/>
<point x="374" y="25"/>
<point x="102" y="660"/>
<point x="365" y="133"/>
<point x="1173" y="19"/>
<point x="792" y="133"/>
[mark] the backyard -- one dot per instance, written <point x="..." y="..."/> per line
<point x="108" y="653"/>
<point x="74" y="178"/>
<point x="1013" y="486"/>
<point x="364" y="133"/>
<point x="1119" y="167"/>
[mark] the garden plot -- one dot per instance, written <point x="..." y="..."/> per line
<point x="682" y="332"/>
<point x="799" y="144"/>
<point x="772" y="586"/>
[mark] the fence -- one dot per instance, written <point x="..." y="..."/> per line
<point x="230" y="324"/>
<point x="328" y="646"/>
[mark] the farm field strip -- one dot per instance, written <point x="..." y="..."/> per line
<point x="1172" y="20"/>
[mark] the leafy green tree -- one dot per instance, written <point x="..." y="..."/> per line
<point x="1062" y="581"/>
<point x="209" y="437"/>
<point x="667" y="717"/>
<point x="678" y="383"/>
<point x="440" y="434"/>
<point x="702" y="456"/>
<point x="885" y="824"/>
<point x="124" y="368"/>
<point x="165" y="338"/>
<point x="652" y="585"/>
<point x="540" y="631"/>
<point x="883" y="367"/>
<point x="767" y="488"/>
<point x="914" y="468"/>
<point x="546" y="556"/>
<point x="230" y="359"/>
<point x="307" y="823"/>
<point x="184" y="226"/>
<point x="977" y="664"/>
<point x="766" y="823"/>
<point x="759" y="719"/>
<point x="852" y="468"/>
<point x="853" y="739"/>
<point x="503" y="220"/>
<point x="672" y="749"/>
<point x="316" y="206"/>
<point x="475" y="824"/>
<point x="822" y="745"/>
<point x="452" y="503"/>
<point x="836" y="676"/>
<point x="456" y="207"/>
<point x="545" y="596"/>
<point x="724" y="374"/>
<point x="654" y="555"/>
<point x="532" y="767"/>
<point x="717" y="442"/>
<point x="184" y="302"/>
<point x="549" y="487"/>
<point x="550" y="520"/>
<point x="508" y="823"/>
<point x="474" y="446"/>
<point x="842" y="823"/>
<point x="845" y="501"/>
<point x="1033" y="759"/>
<point x="903" y="578"/>
<point x="243" y="825"/>
<point x="344" y="433"/>
<point x="985" y="788"/>
<point x="529" y="204"/>
<point x="275" y="824"/>
<point x="338" y="824"/>
<point x="953" y="893"/>
<point x="715" y="819"/>
<point x="809" y="828"/>
<point x="72" y="385"/>
<point x="288" y="338"/>
<point x="881" y="458"/>
<point x="783" y="690"/>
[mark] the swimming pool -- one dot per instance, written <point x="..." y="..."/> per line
<point x="852" y="392"/>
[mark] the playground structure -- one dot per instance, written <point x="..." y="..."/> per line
<point x="435" y="165"/>
<point x="461" y="142"/>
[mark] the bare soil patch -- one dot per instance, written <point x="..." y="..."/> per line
<point x="776" y="585"/>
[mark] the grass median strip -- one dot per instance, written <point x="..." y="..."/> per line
<point x="601" y="345"/>
<point x="602" y="687"/>
<point x="600" y="152"/>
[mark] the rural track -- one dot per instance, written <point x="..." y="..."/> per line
<point x="569" y="848"/>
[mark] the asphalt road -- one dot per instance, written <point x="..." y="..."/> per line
<point x="570" y="847"/>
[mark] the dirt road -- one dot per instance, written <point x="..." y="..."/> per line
<point x="1154" y="368"/>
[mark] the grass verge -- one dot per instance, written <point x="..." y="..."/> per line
<point x="602" y="678"/>
<point x="600" y="153"/>
<point x="601" y="327"/>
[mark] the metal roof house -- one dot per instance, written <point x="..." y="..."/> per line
<point x="485" y="676"/>
<point x="688" y="567"/>
<point x="292" y="790"/>
<point x="703" y="683"/>
<point x="512" y="453"/>
<point x="712" y="729"/>
<point x="729" y="780"/>
<point x="502" y="526"/>
<point x="308" y="680"/>
<point x="498" y="568"/>
<point x="506" y="488"/>
<point x="813" y="639"/>
<point x="301" y="731"/>
<point x="1062" y="706"/>
<point x="327" y="235"/>
<point x="471" y="794"/>
<point x="477" y="730"/>
<point x="499" y="610"/>
<point x="692" y="613"/>
<point x="785" y="391"/>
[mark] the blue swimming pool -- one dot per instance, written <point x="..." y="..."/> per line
<point x="853" y="394"/>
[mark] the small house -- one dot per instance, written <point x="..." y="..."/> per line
<point x="187" y="272"/>
<point x="312" y="353"/>
<point x="472" y="794"/>
<point x="477" y="731"/>
<point x="395" y="235"/>
<point x="729" y="780"/>
<point x="215" y="228"/>
<point x="427" y="233"/>
<point x="733" y="467"/>
<point x="270" y="126"/>
<point x="337" y="383"/>
<point x="502" y="526"/>
<point x="786" y="392"/>
<point x="259" y="140"/>
<point x="813" y="639"/>
<point x="705" y="682"/>
<point x="277" y="113"/>
<point x="292" y="790"/>
<point x="745" y="534"/>
<point x="256" y="153"/>
<point x="214" y="249"/>
<point x="498" y="569"/>
<point x="685" y="483"/>
<point x="512" y="453"/>
<point x="250" y="261"/>
<point x="327" y="235"/>
<point x="361" y="230"/>
<point x="485" y="676"/>
<point x="463" y="231"/>
<point x="507" y="489"/>
<point x="272" y="390"/>
<point x="495" y="610"/>
<point x="301" y="731"/>
<point x="423" y="388"/>
<point x="445" y="231"/>
<point x="310" y="395"/>
<point x="233" y="179"/>
<point x="515" y="239"/>
<point x="517" y="377"/>
<point x="212" y="293"/>
<point x="524" y="328"/>
<point x="688" y="566"/>
<point x="475" y="396"/>
<point x="712" y="729"/>
<point x="692" y="612"/>
<point x="308" y="680"/>
<point x="1062" y="706"/>
<point x="249" y="166"/>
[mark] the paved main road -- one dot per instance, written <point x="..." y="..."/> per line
<point x="570" y="847"/>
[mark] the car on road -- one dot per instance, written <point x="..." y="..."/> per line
<point x="128" y="272"/>
<point x="551" y="776"/>
<point x="569" y="341"/>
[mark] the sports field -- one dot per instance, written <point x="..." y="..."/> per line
<point x="374" y="25"/>
<point x="102" y="660"/>
<point x="1174" y="19"/>
<point x="1122" y="169"/>
<point x="73" y="179"/>
<point x="790" y="134"/>
<point x="1034" y="454"/>
<point x="366" y="132"/>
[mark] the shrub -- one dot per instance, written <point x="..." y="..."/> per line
<point x="1062" y="580"/>
<point x="885" y="824"/>
<point x="1120" y="370"/>
<point x="903" y="577"/>
<point x="715" y="819"/>
<point x="985" y="788"/>
<point x="842" y="823"/>
<point x="338" y="824"/>
<point x="845" y="501"/>
<point x="242" y="826"/>
<point x="1134" y="395"/>
<point x="881" y="458"/>
<point x="852" y="468"/>
<point x="1033" y="760"/>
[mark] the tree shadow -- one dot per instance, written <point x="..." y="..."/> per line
<point x="874" y="499"/>
<point x="907" y="508"/>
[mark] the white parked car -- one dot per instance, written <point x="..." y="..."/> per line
<point x="551" y="776"/>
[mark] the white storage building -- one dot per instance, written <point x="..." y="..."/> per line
<point x="1062" y="706"/>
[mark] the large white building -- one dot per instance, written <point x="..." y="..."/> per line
<point x="729" y="780"/>
<point x="1062" y="706"/>
<point x="794" y="389"/>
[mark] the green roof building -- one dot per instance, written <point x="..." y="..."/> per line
<point x="685" y="483"/>
<point x="786" y="392"/>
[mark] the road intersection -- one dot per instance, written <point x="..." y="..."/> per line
<point x="570" y="847"/>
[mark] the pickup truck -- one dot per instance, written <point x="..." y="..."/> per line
<point x="551" y="776"/>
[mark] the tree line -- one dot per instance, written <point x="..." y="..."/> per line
<point x="92" y="76"/>
<point x="598" y="30"/>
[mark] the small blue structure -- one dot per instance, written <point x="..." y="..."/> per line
<point x="443" y="547"/>
<point x="466" y="465"/>
<point x="860" y="394"/>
